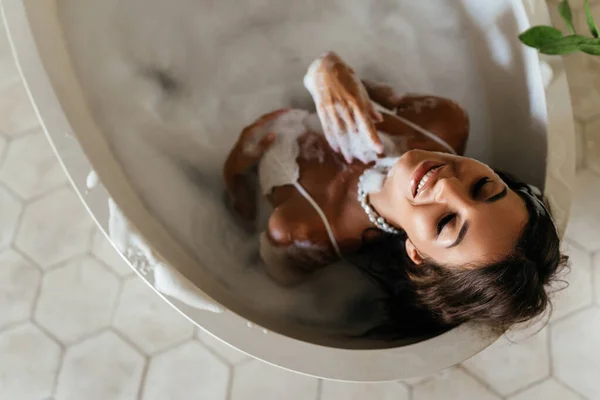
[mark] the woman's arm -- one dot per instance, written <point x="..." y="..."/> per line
<point x="252" y="143"/>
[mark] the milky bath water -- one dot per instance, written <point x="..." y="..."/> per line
<point x="173" y="83"/>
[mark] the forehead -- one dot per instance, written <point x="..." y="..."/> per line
<point x="494" y="230"/>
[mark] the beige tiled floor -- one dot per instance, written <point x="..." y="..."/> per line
<point x="75" y="323"/>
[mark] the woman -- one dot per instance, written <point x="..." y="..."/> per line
<point x="442" y="233"/>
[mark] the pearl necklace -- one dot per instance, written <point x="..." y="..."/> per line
<point x="374" y="217"/>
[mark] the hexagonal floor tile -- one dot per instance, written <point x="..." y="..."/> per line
<point x="185" y="372"/>
<point x="109" y="255"/>
<point x="16" y="112"/>
<point x="55" y="228"/>
<point x="579" y="292"/>
<point x="592" y="145"/>
<point x="512" y="363"/>
<point x="19" y="281"/>
<point x="547" y="390"/>
<point x="457" y="384"/>
<point x="363" y="391"/>
<point x="28" y="364"/>
<point x="147" y="320"/>
<point x="30" y="167"/>
<point x="77" y="299"/>
<point x="231" y="354"/>
<point x="575" y="349"/>
<point x="585" y="213"/>
<point x="258" y="380"/>
<point x="596" y="268"/>
<point x="103" y="367"/>
<point x="11" y="210"/>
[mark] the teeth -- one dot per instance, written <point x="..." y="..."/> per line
<point x="426" y="177"/>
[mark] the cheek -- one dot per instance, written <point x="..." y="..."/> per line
<point x="417" y="223"/>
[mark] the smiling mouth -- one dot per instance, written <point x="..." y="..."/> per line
<point x="423" y="176"/>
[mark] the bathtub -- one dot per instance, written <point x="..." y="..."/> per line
<point x="527" y="110"/>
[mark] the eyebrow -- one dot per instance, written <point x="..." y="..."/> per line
<point x="465" y="228"/>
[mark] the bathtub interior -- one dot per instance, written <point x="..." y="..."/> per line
<point x="172" y="83"/>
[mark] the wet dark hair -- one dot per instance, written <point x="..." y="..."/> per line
<point x="430" y="297"/>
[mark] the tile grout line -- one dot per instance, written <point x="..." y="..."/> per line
<point x="63" y="354"/>
<point x="26" y="257"/>
<point x="127" y="340"/>
<point x="142" y="382"/>
<point x="571" y="314"/>
<point x="530" y="385"/>
<point x="115" y="307"/>
<point x="549" y="350"/>
<point x="47" y="193"/>
<point x="230" y="378"/>
<point x="411" y="391"/>
<point x="319" y="389"/>
<point x="480" y="381"/>
<point x="105" y="265"/>
<point x="215" y="353"/>
<point x="12" y="192"/>
<point x="570" y="388"/>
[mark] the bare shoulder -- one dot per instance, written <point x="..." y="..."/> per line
<point x="295" y="223"/>
<point x="443" y="117"/>
<point x="293" y="247"/>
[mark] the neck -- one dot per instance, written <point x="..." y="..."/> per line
<point x="379" y="203"/>
<point x="371" y="197"/>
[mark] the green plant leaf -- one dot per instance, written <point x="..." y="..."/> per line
<point x="539" y="36"/>
<point x="590" y="49"/>
<point x="564" y="9"/>
<point x="564" y="45"/>
<point x="590" y="20"/>
<point x="590" y="46"/>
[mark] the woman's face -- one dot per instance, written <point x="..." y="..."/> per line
<point x="455" y="210"/>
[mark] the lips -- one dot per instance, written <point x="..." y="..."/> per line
<point x="429" y="168"/>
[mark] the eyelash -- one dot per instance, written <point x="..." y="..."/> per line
<point x="474" y="192"/>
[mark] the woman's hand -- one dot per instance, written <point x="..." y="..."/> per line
<point x="347" y="115"/>
<point x="252" y="144"/>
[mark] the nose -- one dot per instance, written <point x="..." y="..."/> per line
<point x="453" y="192"/>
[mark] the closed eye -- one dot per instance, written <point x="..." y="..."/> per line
<point x="445" y="221"/>
<point x="479" y="185"/>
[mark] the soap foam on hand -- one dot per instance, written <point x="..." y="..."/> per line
<point x="355" y="136"/>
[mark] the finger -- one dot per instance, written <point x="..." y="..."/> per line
<point x="331" y="139"/>
<point x="336" y="119"/>
<point x="346" y="153"/>
<point x="374" y="114"/>
<point x="267" y="141"/>
<point x="328" y="129"/>
<point x="349" y="117"/>
<point x="271" y="116"/>
<point x="372" y="137"/>
<point x="362" y="157"/>
<point x="369" y="138"/>
<point x="376" y="143"/>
